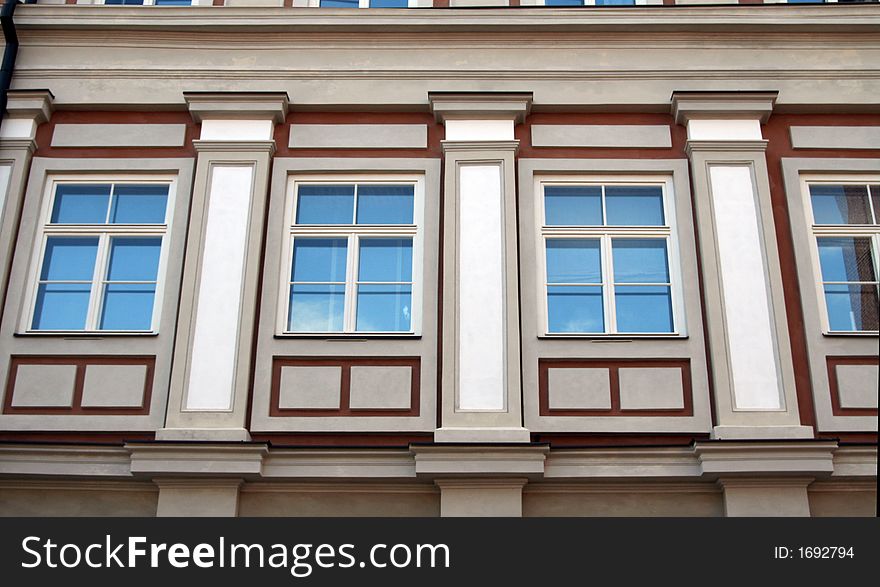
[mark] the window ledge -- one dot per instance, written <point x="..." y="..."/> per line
<point x="348" y="337"/>
<point x="612" y="337"/>
<point x="84" y="335"/>
<point x="872" y="334"/>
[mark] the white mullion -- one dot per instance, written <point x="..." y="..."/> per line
<point x="349" y="314"/>
<point x="98" y="276"/>
<point x="608" y="284"/>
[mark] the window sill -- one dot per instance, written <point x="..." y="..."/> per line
<point x="613" y="337"/>
<point x="77" y="335"/>
<point x="868" y="334"/>
<point x="348" y="337"/>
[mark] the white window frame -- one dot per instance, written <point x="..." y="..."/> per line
<point x="838" y="230"/>
<point x="153" y="3"/>
<point x="353" y="232"/>
<point x="593" y="3"/>
<point x="668" y="232"/>
<point x="104" y="232"/>
<point x="366" y="4"/>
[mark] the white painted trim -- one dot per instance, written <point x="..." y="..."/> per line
<point x="479" y="130"/>
<point x="215" y="335"/>
<point x="237" y="130"/>
<point x="18" y="128"/>
<point x="353" y="232"/>
<point x="103" y="232"/>
<point x="366" y="4"/>
<point x="754" y="364"/>
<point x="481" y="333"/>
<point x="724" y="129"/>
<point x="588" y="3"/>
<point x="153" y="3"/>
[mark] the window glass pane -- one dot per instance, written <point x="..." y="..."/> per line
<point x="573" y="205"/>
<point x="840" y="204"/>
<point x="846" y="259"/>
<point x="134" y="259"/>
<point x="126" y="2"/>
<point x="640" y="260"/>
<point x="62" y="306"/>
<point x="852" y="307"/>
<point x="388" y="3"/>
<point x="635" y="205"/>
<point x="615" y="2"/>
<point x="385" y="259"/>
<point x="319" y="259"/>
<point x="173" y="2"/>
<point x="339" y="4"/>
<point x="643" y="308"/>
<point x="572" y="260"/>
<point x="80" y="204"/>
<point x="316" y="308"/>
<point x="69" y="258"/>
<point x="385" y="204"/>
<point x="128" y="306"/>
<point x="875" y="200"/>
<point x="325" y="204"/>
<point x="139" y="204"/>
<point x="384" y="308"/>
<point x="563" y="2"/>
<point x="575" y="309"/>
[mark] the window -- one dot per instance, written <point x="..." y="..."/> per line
<point x="846" y="229"/>
<point x="353" y="254"/>
<point x="364" y="3"/>
<point x="101" y="256"/>
<point x="609" y="256"/>
<point x="592" y="2"/>
<point x="150" y="2"/>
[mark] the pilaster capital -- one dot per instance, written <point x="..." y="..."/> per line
<point x="739" y="105"/>
<point x="480" y="105"/>
<point x="237" y="105"/>
<point x="36" y="105"/>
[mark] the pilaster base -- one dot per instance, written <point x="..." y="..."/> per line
<point x="448" y="434"/>
<point x="481" y="497"/>
<point x="766" y="497"/>
<point x="207" y="434"/>
<point x="198" y="498"/>
<point x="760" y="432"/>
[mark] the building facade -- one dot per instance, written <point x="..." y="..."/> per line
<point x="449" y="257"/>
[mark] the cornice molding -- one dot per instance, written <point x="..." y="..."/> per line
<point x="850" y="17"/>
<point x="479" y="145"/>
<point x="234" y="146"/>
<point x="687" y="106"/>
<point x="238" y="105"/>
<point x="29" y="145"/>
<point x="34" y="104"/>
<point x="480" y="105"/>
<point x="725" y="146"/>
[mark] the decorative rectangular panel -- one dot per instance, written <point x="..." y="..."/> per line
<point x="622" y="387"/>
<point x="345" y="386"/>
<point x="853" y="384"/>
<point x="79" y="385"/>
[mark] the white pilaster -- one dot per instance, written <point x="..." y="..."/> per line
<point x="481" y="386"/>
<point x="752" y="368"/>
<point x="218" y="300"/>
